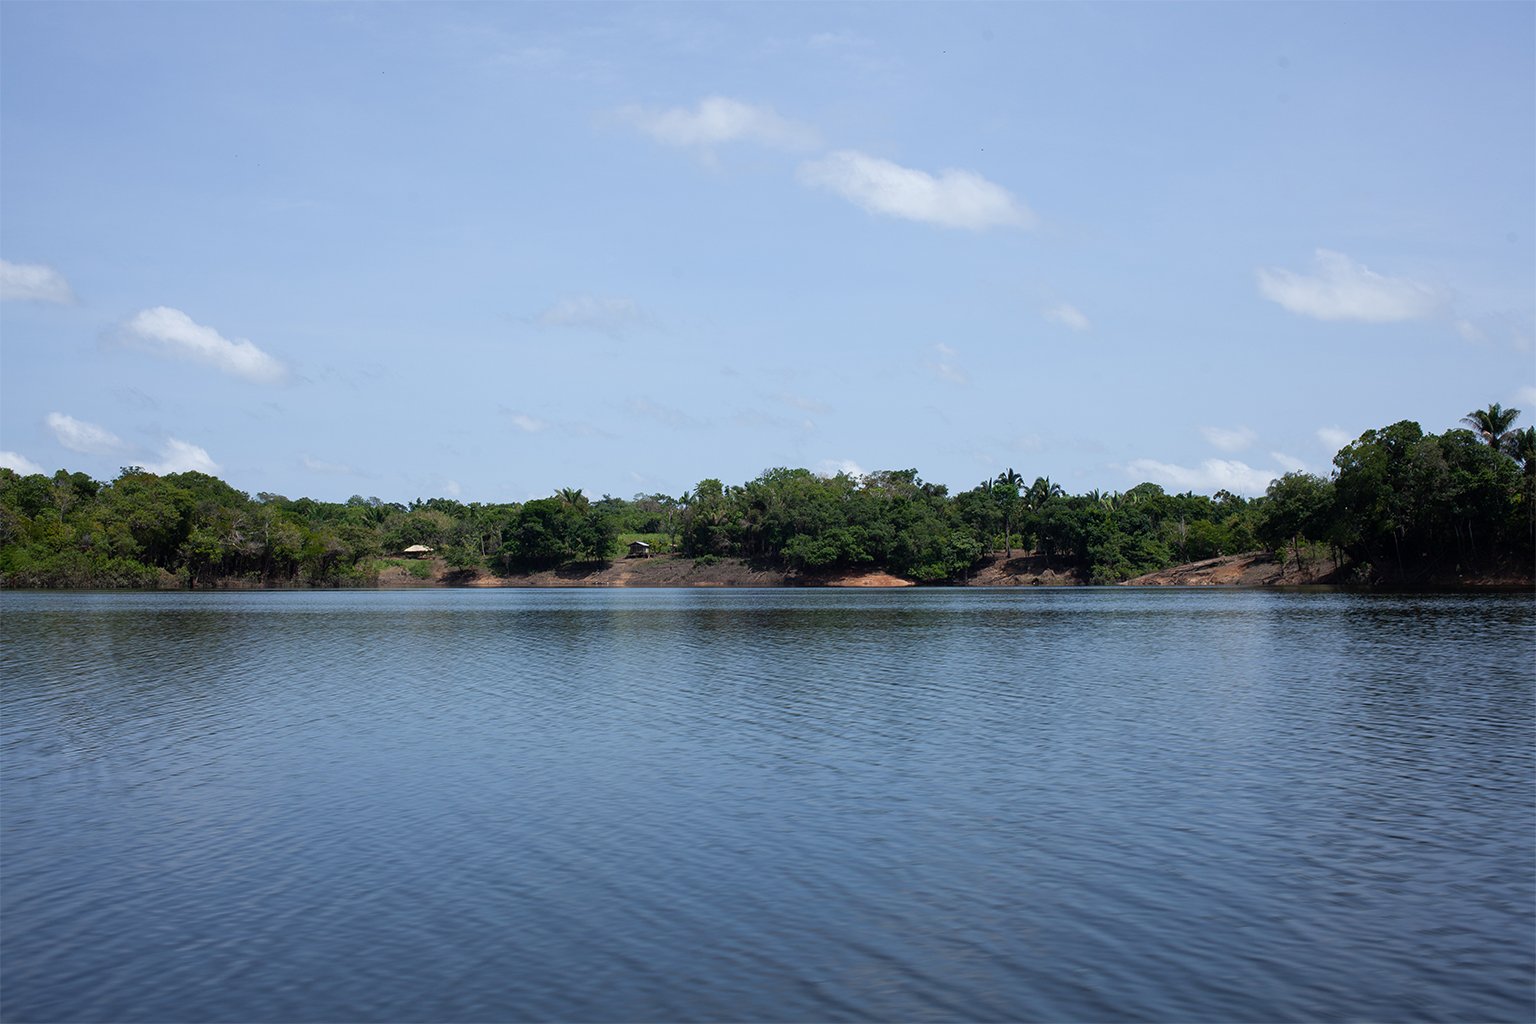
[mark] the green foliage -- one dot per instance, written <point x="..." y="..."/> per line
<point x="1409" y="503"/>
<point x="565" y="528"/>
<point x="1401" y="503"/>
<point x="1296" y="506"/>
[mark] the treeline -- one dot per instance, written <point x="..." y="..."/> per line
<point x="1401" y="505"/>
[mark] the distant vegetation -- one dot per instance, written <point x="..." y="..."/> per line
<point x="1400" y="506"/>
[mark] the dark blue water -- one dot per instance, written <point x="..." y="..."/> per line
<point x="1079" y="805"/>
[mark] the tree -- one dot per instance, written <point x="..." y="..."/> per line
<point x="1005" y="491"/>
<point x="1520" y="445"/>
<point x="1296" y="506"/>
<point x="1492" y="424"/>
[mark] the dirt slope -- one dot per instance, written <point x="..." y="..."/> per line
<point x="658" y="571"/>
<point x="1254" y="569"/>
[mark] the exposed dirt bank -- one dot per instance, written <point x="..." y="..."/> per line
<point x="1024" y="570"/>
<point x="658" y="571"/>
<point x="1254" y="569"/>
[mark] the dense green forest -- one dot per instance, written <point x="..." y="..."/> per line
<point x="1401" y="505"/>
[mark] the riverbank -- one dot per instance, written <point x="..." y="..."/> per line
<point x="999" y="570"/>
<point x="657" y="571"/>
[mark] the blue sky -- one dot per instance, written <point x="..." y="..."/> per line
<point x="490" y="250"/>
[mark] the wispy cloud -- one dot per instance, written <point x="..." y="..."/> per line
<point x="1333" y="438"/>
<point x="531" y="424"/>
<point x="1228" y="439"/>
<point x="322" y="467"/>
<point x="832" y="467"/>
<point x="606" y="314"/>
<point x="178" y="456"/>
<point x="86" y="438"/>
<point x="663" y="414"/>
<point x="1070" y="317"/>
<point x="945" y="367"/>
<point x="1526" y="396"/>
<point x="952" y="199"/>
<point x="527" y="424"/>
<point x="33" y="282"/>
<point x="171" y="332"/>
<point x="1341" y="289"/>
<point x="717" y="120"/>
<point x="1211" y="475"/>
<point x="1289" y="463"/>
<point x="19" y="463"/>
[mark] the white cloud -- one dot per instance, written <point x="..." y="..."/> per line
<point x="79" y="436"/>
<point x="528" y="424"/>
<point x="1526" y="396"/>
<point x="1333" y="438"/>
<point x="1289" y="463"/>
<point x="171" y="332"/>
<point x="33" y="282"/>
<point x="1069" y="316"/>
<point x="832" y="467"/>
<point x="452" y="488"/>
<point x="20" y="463"/>
<point x="1229" y="439"/>
<point x="593" y="313"/>
<point x="953" y="199"/>
<point x="823" y="40"/>
<point x="1341" y="289"/>
<point x="718" y="119"/>
<point x="181" y="457"/>
<point x="1469" y="332"/>
<point x="1210" y="476"/>
<point x="328" y="468"/>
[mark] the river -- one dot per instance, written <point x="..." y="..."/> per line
<point x="1060" y="805"/>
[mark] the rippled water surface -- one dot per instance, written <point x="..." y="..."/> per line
<point x="767" y="805"/>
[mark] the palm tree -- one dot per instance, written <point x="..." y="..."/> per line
<point x="1006" y="489"/>
<point x="1520" y="445"/>
<point x="1042" y="491"/>
<point x="1492" y="423"/>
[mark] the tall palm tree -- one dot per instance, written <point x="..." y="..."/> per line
<point x="1042" y="491"/>
<point x="1006" y="489"/>
<point x="1492" y="423"/>
<point x="572" y="497"/>
<point x="1520" y="445"/>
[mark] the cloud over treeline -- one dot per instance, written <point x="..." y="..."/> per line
<point x="170" y="332"/>
<point x="1341" y="289"/>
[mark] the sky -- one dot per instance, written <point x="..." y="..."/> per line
<point x="487" y="251"/>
